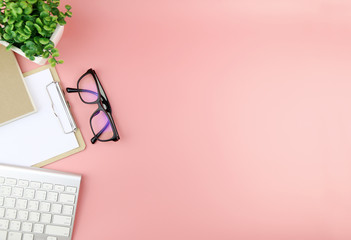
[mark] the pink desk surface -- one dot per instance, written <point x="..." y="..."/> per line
<point x="234" y="116"/>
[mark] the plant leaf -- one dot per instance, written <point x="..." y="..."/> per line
<point x="8" y="28"/>
<point x="37" y="27"/>
<point x="20" y="39"/>
<point x="46" y="54"/>
<point x="44" y="14"/>
<point x="29" y="44"/>
<point x="18" y="24"/>
<point x="44" y="41"/>
<point x="52" y="62"/>
<point x="19" y="11"/>
<point x="39" y="22"/>
<point x="56" y="54"/>
<point x="27" y="29"/>
<point x="47" y="28"/>
<point x="46" y="7"/>
<point x="61" y="22"/>
<point x="9" y="46"/>
<point x="49" y="46"/>
<point x="13" y="34"/>
<point x="6" y="36"/>
<point x="28" y="10"/>
<point x="23" y="4"/>
<point x="11" y="21"/>
<point x="48" y="19"/>
<point x="55" y="11"/>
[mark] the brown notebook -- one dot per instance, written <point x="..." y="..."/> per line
<point x="15" y="101"/>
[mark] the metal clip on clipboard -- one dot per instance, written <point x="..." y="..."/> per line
<point x="60" y="107"/>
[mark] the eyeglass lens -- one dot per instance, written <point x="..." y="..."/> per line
<point x="100" y="124"/>
<point x="88" y="83"/>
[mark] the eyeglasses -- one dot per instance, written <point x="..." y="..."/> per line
<point x="91" y="91"/>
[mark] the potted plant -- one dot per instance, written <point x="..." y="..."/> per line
<point x="32" y="28"/>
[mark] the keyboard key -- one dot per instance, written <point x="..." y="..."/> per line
<point x="71" y="189"/>
<point x="44" y="207"/>
<point x="1" y="201"/>
<point x="22" y="215"/>
<point x="23" y="183"/>
<point x="40" y="195"/>
<point x="14" y="236"/>
<point x="11" y="213"/>
<point x="67" y="210"/>
<point x="56" y="230"/>
<point x="34" y="216"/>
<point x="51" y="238"/>
<point x="62" y="220"/>
<point x="34" y="184"/>
<point x="17" y="192"/>
<point x="47" y="186"/>
<point x="33" y="205"/>
<point x="59" y="188"/>
<point x="4" y="224"/>
<point x="15" y="225"/>
<point x="5" y="191"/>
<point x="29" y="193"/>
<point x="67" y="198"/>
<point x="27" y="227"/>
<point x="45" y="218"/>
<point x="3" y="234"/>
<point x="38" y="228"/>
<point x="21" y="203"/>
<point x="56" y="208"/>
<point x="10" y="181"/>
<point x="9" y="202"/>
<point x="28" y="236"/>
<point x="52" y="196"/>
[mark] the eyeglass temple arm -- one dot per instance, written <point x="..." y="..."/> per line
<point x="93" y="140"/>
<point x="72" y="90"/>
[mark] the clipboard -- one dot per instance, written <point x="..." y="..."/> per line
<point x="77" y="133"/>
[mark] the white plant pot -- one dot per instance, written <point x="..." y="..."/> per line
<point x="56" y="36"/>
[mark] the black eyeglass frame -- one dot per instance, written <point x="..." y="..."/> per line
<point x="103" y="105"/>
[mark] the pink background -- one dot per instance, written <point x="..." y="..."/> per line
<point x="234" y="116"/>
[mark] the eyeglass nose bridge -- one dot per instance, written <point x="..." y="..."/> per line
<point x="105" y="104"/>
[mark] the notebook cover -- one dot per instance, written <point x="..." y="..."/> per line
<point x="15" y="101"/>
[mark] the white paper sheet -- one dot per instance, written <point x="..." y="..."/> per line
<point x="37" y="137"/>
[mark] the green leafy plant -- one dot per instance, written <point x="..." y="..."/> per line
<point x="29" y="24"/>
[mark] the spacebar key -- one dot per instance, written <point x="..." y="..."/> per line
<point x="56" y="230"/>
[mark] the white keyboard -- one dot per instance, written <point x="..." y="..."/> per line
<point x="37" y="204"/>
